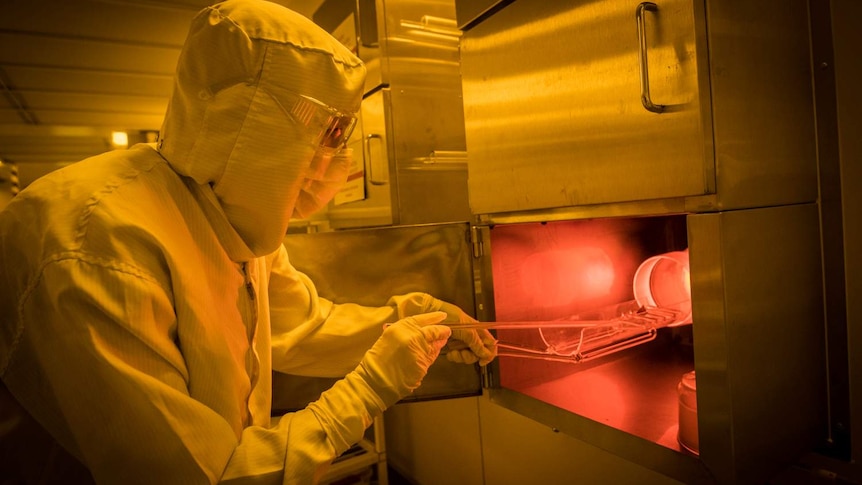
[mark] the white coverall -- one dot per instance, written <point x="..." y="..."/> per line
<point x="145" y="296"/>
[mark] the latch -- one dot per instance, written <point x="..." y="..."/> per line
<point x="476" y="240"/>
<point x="487" y="376"/>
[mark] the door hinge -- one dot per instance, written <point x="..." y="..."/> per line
<point x="476" y="240"/>
<point x="487" y="377"/>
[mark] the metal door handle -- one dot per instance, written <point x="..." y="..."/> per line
<point x="376" y="175"/>
<point x="642" y="57"/>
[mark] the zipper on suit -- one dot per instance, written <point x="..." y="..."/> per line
<point x="251" y="359"/>
<point x="249" y="285"/>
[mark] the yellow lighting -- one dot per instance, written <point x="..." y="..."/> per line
<point x="119" y="139"/>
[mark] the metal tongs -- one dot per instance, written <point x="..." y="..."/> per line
<point x="581" y="340"/>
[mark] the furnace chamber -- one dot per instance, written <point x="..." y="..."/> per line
<point x="623" y="286"/>
<point x="691" y="396"/>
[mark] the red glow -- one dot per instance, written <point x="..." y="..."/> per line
<point x="558" y="277"/>
<point x="560" y="269"/>
<point x="598" y="396"/>
<point x="584" y="270"/>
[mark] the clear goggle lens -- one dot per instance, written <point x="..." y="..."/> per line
<point x="327" y="127"/>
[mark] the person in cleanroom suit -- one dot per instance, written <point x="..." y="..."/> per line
<point x="146" y="296"/>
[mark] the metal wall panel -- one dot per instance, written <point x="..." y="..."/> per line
<point x="848" y="38"/>
<point x="553" y="110"/>
<point x="757" y="299"/>
<point x="762" y="103"/>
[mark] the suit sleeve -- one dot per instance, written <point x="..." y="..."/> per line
<point x="312" y="336"/>
<point x="99" y="340"/>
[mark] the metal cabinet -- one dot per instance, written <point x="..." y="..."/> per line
<point x="410" y="140"/>
<point x="703" y="104"/>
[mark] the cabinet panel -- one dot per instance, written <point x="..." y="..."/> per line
<point x="756" y="341"/>
<point x="554" y="113"/>
<point x="412" y="125"/>
<point x="759" y="339"/>
<point x="427" y="145"/>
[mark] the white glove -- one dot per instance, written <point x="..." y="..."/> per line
<point x="393" y="367"/>
<point x="396" y="364"/>
<point x="468" y="346"/>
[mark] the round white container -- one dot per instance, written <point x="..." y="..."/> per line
<point x="663" y="281"/>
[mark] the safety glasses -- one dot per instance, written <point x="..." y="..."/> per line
<point x="327" y="127"/>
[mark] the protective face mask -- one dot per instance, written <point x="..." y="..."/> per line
<point x="327" y="174"/>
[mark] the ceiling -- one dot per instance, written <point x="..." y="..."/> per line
<point x="71" y="72"/>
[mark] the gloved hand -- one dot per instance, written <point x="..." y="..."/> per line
<point x="468" y="346"/>
<point x="393" y="367"/>
<point x="396" y="364"/>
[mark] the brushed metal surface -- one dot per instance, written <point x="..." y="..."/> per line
<point x="420" y="63"/>
<point x="425" y="120"/>
<point x="845" y="16"/>
<point x="554" y="117"/>
<point x="413" y="55"/>
<point x="367" y="266"/>
<point x="553" y="107"/>
<point x="763" y="107"/>
<point x="759" y="339"/>
<point x="413" y="105"/>
<point x="470" y="10"/>
<point x="519" y="450"/>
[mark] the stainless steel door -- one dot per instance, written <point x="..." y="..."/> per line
<point x="554" y="112"/>
<point x="412" y="144"/>
<point x="367" y="266"/>
<point x="412" y="112"/>
<point x="759" y="339"/>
